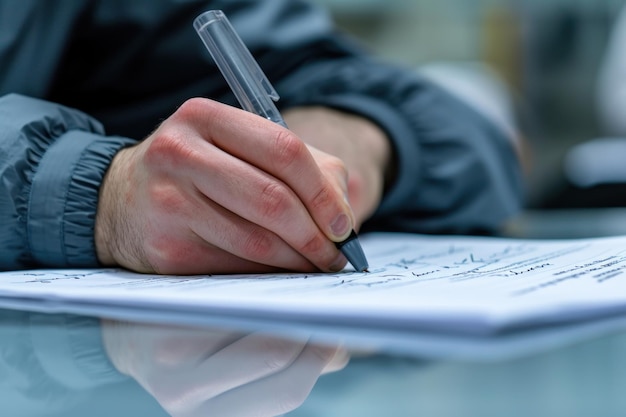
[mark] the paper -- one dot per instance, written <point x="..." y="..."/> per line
<point x="452" y="285"/>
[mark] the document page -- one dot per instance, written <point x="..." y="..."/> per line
<point x="470" y="285"/>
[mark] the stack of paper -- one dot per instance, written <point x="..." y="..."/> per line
<point x="435" y="287"/>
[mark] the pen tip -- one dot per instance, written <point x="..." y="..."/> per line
<point x="352" y="250"/>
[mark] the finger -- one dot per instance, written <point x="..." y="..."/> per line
<point x="244" y="239"/>
<point x="187" y="253"/>
<point x="276" y="394"/>
<point x="258" y="197"/>
<point x="138" y="348"/>
<point x="279" y="152"/>
<point x="201" y="257"/>
<point x="190" y="227"/>
<point x="338" y="362"/>
<point x="244" y="190"/>
<point x="248" y="359"/>
<point x="173" y="347"/>
<point x="286" y="157"/>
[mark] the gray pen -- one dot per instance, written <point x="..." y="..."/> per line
<point x="253" y="91"/>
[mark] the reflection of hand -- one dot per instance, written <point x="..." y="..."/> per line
<point x="216" y="189"/>
<point x="197" y="372"/>
<point x="360" y="144"/>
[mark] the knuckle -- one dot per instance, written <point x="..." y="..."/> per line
<point x="168" y="147"/>
<point x="279" y="354"/>
<point x="335" y="164"/>
<point x="275" y="201"/>
<point x="197" y="111"/>
<point x="258" y="245"/>
<point x="314" y="245"/>
<point x="192" y="107"/>
<point x="323" y="198"/>
<point x="324" y="354"/>
<point x="287" y="149"/>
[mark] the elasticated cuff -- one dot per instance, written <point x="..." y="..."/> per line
<point x="70" y="349"/>
<point x="63" y="202"/>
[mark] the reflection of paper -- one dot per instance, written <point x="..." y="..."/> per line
<point x="449" y="284"/>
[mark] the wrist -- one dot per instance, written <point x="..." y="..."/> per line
<point x="104" y="225"/>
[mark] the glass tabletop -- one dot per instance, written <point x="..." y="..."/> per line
<point x="69" y="365"/>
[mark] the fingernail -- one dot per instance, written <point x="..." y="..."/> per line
<point x="340" y="226"/>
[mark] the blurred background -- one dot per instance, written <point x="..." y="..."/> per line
<point x="542" y="62"/>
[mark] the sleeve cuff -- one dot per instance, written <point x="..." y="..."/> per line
<point x="70" y="350"/>
<point x="63" y="202"/>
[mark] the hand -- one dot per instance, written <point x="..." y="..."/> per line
<point x="197" y="372"/>
<point x="360" y="144"/>
<point x="216" y="189"/>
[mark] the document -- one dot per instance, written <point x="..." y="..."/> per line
<point x="453" y="285"/>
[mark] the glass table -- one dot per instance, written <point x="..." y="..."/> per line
<point x="57" y="365"/>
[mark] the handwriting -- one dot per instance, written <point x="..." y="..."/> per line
<point x="514" y="267"/>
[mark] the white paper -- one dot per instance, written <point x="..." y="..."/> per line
<point x="454" y="285"/>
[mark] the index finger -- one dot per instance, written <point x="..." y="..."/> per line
<point x="279" y="152"/>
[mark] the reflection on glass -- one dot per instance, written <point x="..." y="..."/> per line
<point x="53" y="365"/>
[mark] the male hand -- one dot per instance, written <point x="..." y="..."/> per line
<point x="216" y="189"/>
<point x="200" y="372"/>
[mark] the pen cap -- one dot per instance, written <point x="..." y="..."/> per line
<point x="244" y="76"/>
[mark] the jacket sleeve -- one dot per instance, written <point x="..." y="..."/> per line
<point x="52" y="161"/>
<point x="456" y="171"/>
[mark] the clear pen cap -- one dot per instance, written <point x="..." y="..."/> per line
<point x="242" y="73"/>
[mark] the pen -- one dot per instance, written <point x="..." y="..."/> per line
<point x="254" y="91"/>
